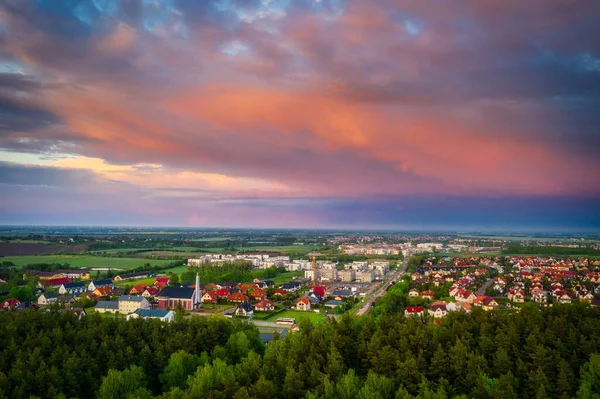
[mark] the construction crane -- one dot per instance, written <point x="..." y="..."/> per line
<point x="313" y="256"/>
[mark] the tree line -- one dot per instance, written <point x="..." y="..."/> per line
<point x="531" y="354"/>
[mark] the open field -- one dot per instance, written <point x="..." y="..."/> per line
<point x="176" y="270"/>
<point x="285" y="249"/>
<point x="31" y="248"/>
<point x="125" y="283"/>
<point x="84" y="261"/>
<point x="315" y="318"/>
<point x="174" y="250"/>
<point x="286" y="277"/>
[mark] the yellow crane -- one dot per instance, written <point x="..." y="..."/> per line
<point x="313" y="256"/>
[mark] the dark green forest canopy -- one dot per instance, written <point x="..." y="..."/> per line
<point x="531" y="354"/>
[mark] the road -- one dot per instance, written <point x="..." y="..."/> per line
<point x="379" y="291"/>
<point x="481" y="291"/>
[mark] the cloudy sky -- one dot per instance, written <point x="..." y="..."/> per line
<point x="301" y="113"/>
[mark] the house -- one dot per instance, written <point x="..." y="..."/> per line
<point x="10" y="303"/>
<point x="413" y="311"/>
<point x="104" y="290"/>
<point x="54" y="282"/>
<point x="427" y="294"/>
<point x="244" y="309"/>
<point x="78" y="311"/>
<point x="210" y="297"/>
<point x="458" y="306"/>
<point x="279" y="292"/>
<point x="465" y="296"/>
<point x="264" y="306"/>
<point x="161" y="282"/>
<point x="150" y="292"/>
<point x="540" y="296"/>
<point x="47" y="298"/>
<point x="171" y="297"/>
<point x="131" y="276"/>
<point x="292" y="286"/>
<point x="238" y="297"/>
<point x="100" y="283"/>
<point x="129" y="304"/>
<point x="314" y="298"/>
<point x="162" y="315"/>
<point x="138" y="289"/>
<point x="223" y="293"/>
<point x="341" y="294"/>
<point x="485" y="302"/>
<point x="413" y="292"/>
<point x="320" y="290"/>
<point x="107" y="307"/>
<point x="516" y="295"/>
<point x="258" y="294"/>
<point x="82" y="274"/>
<point x="72" y="288"/>
<point x="565" y="297"/>
<point x="438" y="309"/>
<point x="303" y="304"/>
<point x="334" y="304"/>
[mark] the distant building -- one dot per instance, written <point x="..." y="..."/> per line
<point x="163" y="315"/>
<point x="129" y="304"/>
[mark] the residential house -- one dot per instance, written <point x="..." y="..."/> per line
<point x="54" y="282"/>
<point x="465" y="296"/>
<point x="279" y="293"/>
<point x="223" y="293"/>
<point x="516" y="295"/>
<point x="107" y="307"/>
<point x="341" y="294"/>
<point x="292" y="286"/>
<point x="458" y="306"/>
<point x="72" y="288"/>
<point x="81" y="274"/>
<point x="238" y="297"/>
<point x="438" y="309"/>
<point x="565" y="298"/>
<point x="244" y="309"/>
<point x="334" y="304"/>
<point x="540" y="296"/>
<point x="303" y="304"/>
<point x="485" y="302"/>
<point x="210" y="297"/>
<point x="161" y="282"/>
<point x="258" y="294"/>
<point x="427" y="295"/>
<point x="264" y="306"/>
<point x="413" y="292"/>
<point x="104" y="290"/>
<point x="47" y="298"/>
<point x="129" y="304"/>
<point x="138" y="289"/>
<point x="10" y="304"/>
<point x="162" y="315"/>
<point x="413" y="311"/>
<point x="100" y="283"/>
<point x="150" y="292"/>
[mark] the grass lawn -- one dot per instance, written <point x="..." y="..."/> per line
<point x="286" y="276"/>
<point x="84" y="261"/>
<point x="125" y="283"/>
<point x="285" y="249"/>
<point x="315" y="318"/>
<point x="176" y="270"/>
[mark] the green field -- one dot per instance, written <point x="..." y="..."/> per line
<point x="176" y="270"/>
<point x="285" y="249"/>
<point x="125" y="283"/>
<point x="84" y="261"/>
<point x="286" y="276"/>
<point x="315" y="318"/>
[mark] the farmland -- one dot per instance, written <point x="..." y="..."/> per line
<point x="84" y="261"/>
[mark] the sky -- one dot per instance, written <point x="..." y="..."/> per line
<point x="467" y="114"/>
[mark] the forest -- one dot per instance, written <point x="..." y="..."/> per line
<point x="531" y="354"/>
